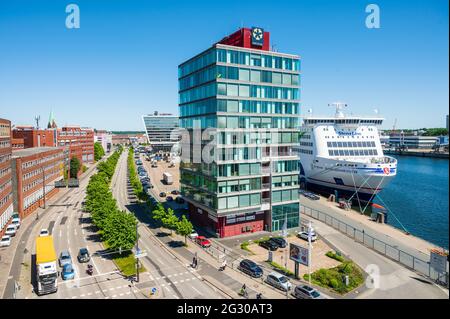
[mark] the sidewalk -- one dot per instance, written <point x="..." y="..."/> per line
<point x="384" y="232"/>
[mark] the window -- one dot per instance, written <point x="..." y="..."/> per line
<point x="221" y="89"/>
<point x="232" y="90"/>
<point x="244" y="200"/>
<point x="276" y="78"/>
<point x="287" y="79"/>
<point x="244" y="90"/>
<point x="232" y="106"/>
<point x="244" y="75"/>
<point x="255" y="76"/>
<point x="233" y="201"/>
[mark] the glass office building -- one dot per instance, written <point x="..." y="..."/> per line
<point x="249" y="100"/>
<point x="161" y="130"/>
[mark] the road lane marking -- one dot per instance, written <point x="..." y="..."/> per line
<point x="160" y="261"/>
<point x="197" y="290"/>
<point x="82" y="295"/>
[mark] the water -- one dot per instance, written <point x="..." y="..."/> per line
<point x="418" y="196"/>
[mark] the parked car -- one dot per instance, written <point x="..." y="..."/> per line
<point x="169" y="198"/>
<point x="11" y="230"/>
<point x="162" y="194"/>
<point x="202" y="241"/>
<point x="193" y="235"/>
<point x="179" y="200"/>
<point x="304" y="235"/>
<point x="16" y="221"/>
<point x="64" y="258"/>
<point x="44" y="232"/>
<point x="250" y="268"/>
<point x="269" y="245"/>
<point x="5" y="241"/>
<point x="175" y="192"/>
<point x="83" y="255"/>
<point x="279" y="281"/>
<point x="306" y="292"/>
<point x="280" y="241"/>
<point x="68" y="272"/>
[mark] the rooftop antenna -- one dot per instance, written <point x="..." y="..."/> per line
<point x="37" y="119"/>
<point x="339" y="107"/>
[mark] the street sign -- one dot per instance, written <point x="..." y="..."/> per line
<point x="298" y="254"/>
<point x="438" y="261"/>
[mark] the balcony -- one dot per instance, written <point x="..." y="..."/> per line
<point x="265" y="186"/>
<point x="265" y="200"/>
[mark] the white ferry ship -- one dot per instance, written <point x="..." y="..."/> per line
<point x="342" y="155"/>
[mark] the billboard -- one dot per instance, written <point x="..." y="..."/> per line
<point x="298" y="254"/>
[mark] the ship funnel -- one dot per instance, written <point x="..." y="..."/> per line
<point x="339" y="107"/>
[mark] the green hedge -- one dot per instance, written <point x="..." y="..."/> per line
<point x="333" y="278"/>
<point x="335" y="256"/>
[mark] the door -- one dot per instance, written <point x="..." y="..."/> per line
<point x="275" y="225"/>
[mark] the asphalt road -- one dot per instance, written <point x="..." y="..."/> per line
<point x="172" y="278"/>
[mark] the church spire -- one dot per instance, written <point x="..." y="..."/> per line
<point x="51" y="121"/>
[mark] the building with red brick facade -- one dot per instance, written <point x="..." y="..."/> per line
<point x="33" y="137"/>
<point x="74" y="136"/>
<point x="6" y="194"/>
<point x="32" y="170"/>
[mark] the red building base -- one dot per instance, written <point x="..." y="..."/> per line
<point x="222" y="227"/>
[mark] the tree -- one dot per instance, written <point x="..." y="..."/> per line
<point x="75" y="166"/>
<point x="120" y="231"/>
<point x="99" y="152"/>
<point x="184" y="227"/>
<point x="170" y="221"/>
<point x="159" y="212"/>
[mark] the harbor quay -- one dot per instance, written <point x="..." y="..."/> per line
<point x="401" y="246"/>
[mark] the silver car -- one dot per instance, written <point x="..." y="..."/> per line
<point x="64" y="258"/>
<point x="279" y="281"/>
<point x="306" y="292"/>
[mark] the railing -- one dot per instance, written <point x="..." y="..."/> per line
<point x="265" y="200"/>
<point x="421" y="266"/>
<point x="265" y="185"/>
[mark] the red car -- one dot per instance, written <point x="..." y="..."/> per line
<point x="202" y="241"/>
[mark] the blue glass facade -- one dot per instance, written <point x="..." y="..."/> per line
<point x="251" y="98"/>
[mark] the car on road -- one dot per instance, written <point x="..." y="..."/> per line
<point x="83" y="255"/>
<point x="250" y="268"/>
<point x="304" y="235"/>
<point x="11" y="230"/>
<point x="193" y="234"/>
<point x="16" y="220"/>
<point x="203" y="241"/>
<point x="306" y="292"/>
<point x="179" y="200"/>
<point x="5" y="241"/>
<point x="68" y="272"/>
<point x="64" y="258"/>
<point x="269" y="245"/>
<point x="279" y="281"/>
<point x="162" y="194"/>
<point x="309" y="195"/>
<point x="280" y="241"/>
<point x="44" y="232"/>
<point x="169" y="198"/>
<point x="175" y="192"/>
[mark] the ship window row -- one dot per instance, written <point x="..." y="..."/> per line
<point x="255" y="59"/>
<point x="302" y="150"/>
<point x="342" y="121"/>
<point x="236" y="106"/>
<point x="351" y="152"/>
<point x="256" y="122"/>
<point x="233" y="73"/>
<point x="306" y="144"/>
<point x="352" y="144"/>
<point x="258" y="91"/>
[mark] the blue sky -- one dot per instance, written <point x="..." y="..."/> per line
<point x="123" y="60"/>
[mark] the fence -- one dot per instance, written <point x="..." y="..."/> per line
<point x="394" y="253"/>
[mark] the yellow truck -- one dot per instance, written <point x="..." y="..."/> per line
<point x="46" y="268"/>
